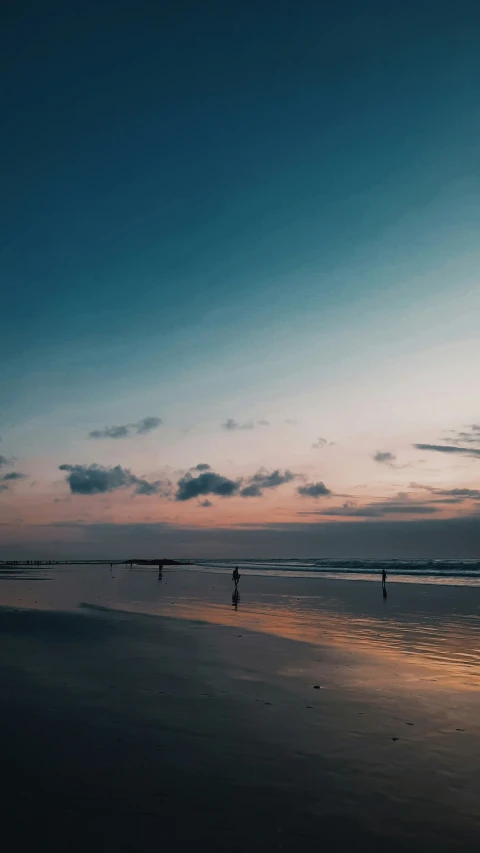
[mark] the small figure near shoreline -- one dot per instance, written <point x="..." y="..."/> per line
<point x="384" y="579"/>
<point x="236" y="576"/>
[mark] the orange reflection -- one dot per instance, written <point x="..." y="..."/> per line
<point x="430" y="653"/>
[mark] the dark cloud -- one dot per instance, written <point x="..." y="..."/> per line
<point x="265" y="480"/>
<point x="313" y="490"/>
<point x="143" y="487"/>
<point x="460" y="493"/>
<point x="202" y="466"/>
<point x="96" y="479"/>
<point x="320" y="442"/>
<point x="158" y="487"/>
<point x="377" y="510"/>
<point x="142" y="427"/>
<point x="206" y="503"/>
<point x="457" y="495"/>
<point x="384" y="457"/>
<point x="465" y="438"/>
<point x="208" y="483"/>
<point x="110" y="432"/>
<point x="400" y="504"/>
<point x="252" y="491"/>
<point x="470" y="435"/>
<point x="232" y="425"/>
<point x="449" y="448"/>
<point x="11" y="477"/>
<point x="146" y="425"/>
<point x="4" y="461"/>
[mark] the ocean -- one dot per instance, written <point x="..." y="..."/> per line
<point x="449" y="572"/>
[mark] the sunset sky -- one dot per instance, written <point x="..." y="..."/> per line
<point x="240" y="265"/>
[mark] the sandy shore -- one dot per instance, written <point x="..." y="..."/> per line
<point x="138" y="713"/>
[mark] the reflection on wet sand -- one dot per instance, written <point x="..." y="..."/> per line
<point x="431" y="653"/>
<point x="423" y="636"/>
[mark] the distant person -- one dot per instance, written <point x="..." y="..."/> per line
<point x="384" y="578"/>
<point x="236" y="576"/>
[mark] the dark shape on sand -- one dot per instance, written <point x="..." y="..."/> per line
<point x="235" y="599"/>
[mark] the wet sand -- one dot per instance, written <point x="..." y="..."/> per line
<point x="137" y="712"/>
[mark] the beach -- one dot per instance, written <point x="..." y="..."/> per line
<point x="140" y="710"/>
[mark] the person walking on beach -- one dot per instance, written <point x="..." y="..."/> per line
<point x="384" y="578"/>
<point x="236" y="576"/>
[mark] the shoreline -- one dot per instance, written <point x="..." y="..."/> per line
<point x="136" y="708"/>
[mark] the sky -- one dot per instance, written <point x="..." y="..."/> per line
<point x="239" y="260"/>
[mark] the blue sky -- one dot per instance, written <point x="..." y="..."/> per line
<point x="238" y="210"/>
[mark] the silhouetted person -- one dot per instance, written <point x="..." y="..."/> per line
<point x="236" y="576"/>
<point x="384" y="578"/>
